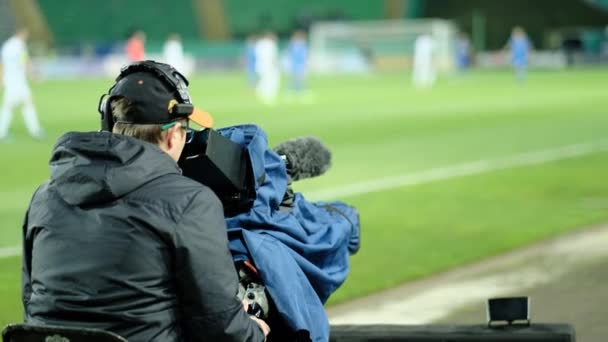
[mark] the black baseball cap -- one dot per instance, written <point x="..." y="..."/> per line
<point x="153" y="101"/>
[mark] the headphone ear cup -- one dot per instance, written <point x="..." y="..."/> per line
<point x="105" y="109"/>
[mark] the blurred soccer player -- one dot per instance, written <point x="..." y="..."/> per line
<point x="173" y="52"/>
<point x="297" y="53"/>
<point x="266" y="65"/>
<point x="424" y="69"/>
<point x="15" y="64"/>
<point x="252" y="75"/>
<point x="135" y="47"/>
<point x="520" y="47"/>
<point x="463" y="52"/>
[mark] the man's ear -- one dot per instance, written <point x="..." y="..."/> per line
<point x="165" y="138"/>
<point x="170" y="136"/>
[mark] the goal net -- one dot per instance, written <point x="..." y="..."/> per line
<point x="357" y="46"/>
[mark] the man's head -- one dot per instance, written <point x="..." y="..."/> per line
<point x="170" y="137"/>
<point x="270" y="35"/>
<point x="23" y="33"/>
<point x="175" y="37"/>
<point x="138" y="34"/>
<point x="299" y="35"/>
<point x="518" y="31"/>
<point x="150" y="101"/>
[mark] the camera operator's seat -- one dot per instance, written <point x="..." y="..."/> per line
<point x="50" y="333"/>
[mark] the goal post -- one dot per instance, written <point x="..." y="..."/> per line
<point x="357" y="46"/>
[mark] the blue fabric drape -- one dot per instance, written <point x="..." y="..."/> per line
<point x="302" y="254"/>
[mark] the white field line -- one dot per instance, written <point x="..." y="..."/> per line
<point x="436" y="174"/>
<point x="458" y="170"/>
<point x="7" y="252"/>
<point x="428" y="300"/>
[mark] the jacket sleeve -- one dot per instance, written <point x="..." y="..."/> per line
<point x="26" y="258"/>
<point x="26" y="261"/>
<point x="206" y="276"/>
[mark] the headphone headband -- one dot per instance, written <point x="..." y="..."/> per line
<point x="172" y="78"/>
<point x="162" y="71"/>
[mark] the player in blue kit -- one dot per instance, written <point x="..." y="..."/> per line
<point x="297" y="54"/>
<point x="463" y="52"/>
<point x="520" y="47"/>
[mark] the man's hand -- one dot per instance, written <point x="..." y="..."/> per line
<point x="33" y="74"/>
<point x="265" y="328"/>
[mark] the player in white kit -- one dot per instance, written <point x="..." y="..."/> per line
<point x="267" y="68"/>
<point x="173" y="53"/>
<point x="424" y="74"/>
<point x="16" y="89"/>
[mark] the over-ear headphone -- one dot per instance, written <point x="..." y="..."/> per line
<point x="164" y="72"/>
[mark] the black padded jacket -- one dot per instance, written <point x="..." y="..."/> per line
<point x="119" y="240"/>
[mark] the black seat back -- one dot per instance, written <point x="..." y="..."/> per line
<point x="49" y="333"/>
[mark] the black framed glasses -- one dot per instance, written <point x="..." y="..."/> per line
<point x="189" y="131"/>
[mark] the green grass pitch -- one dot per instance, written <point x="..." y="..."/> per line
<point x="377" y="127"/>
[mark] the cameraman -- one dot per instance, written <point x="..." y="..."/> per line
<point x="119" y="240"/>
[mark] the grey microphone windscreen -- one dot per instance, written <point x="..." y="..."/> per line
<point x="306" y="157"/>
